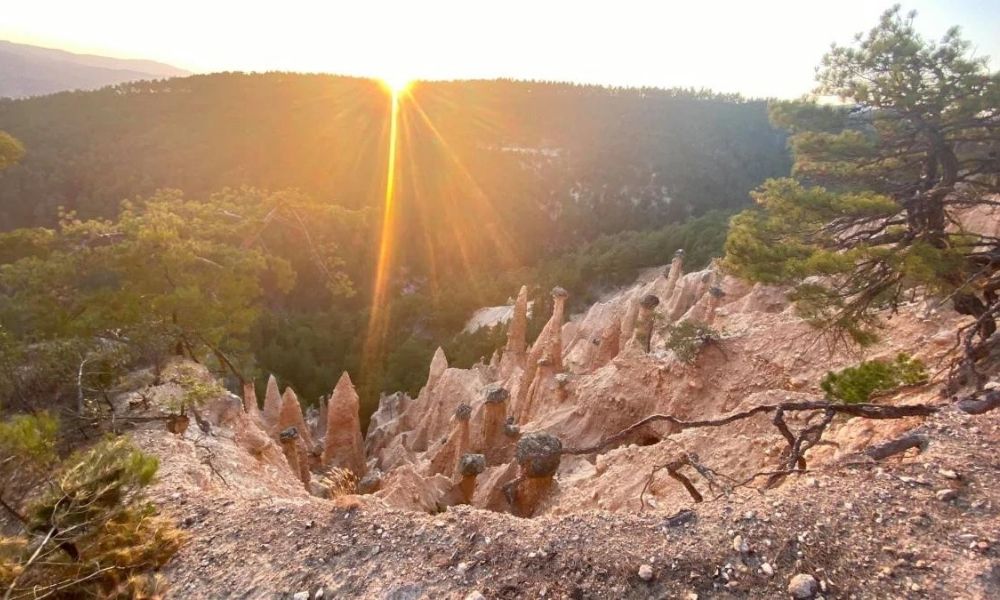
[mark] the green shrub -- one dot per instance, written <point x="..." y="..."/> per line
<point x="89" y="531"/>
<point x="687" y="338"/>
<point x="28" y="439"/>
<point x="197" y="388"/>
<point x="857" y="384"/>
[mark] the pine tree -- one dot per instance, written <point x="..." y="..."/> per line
<point x="884" y="185"/>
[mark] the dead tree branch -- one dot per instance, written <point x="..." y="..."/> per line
<point x="867" y="411"/>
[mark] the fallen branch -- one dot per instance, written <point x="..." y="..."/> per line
<point x="977" y="406"/>
<point x="897" y="446"/>
<point x="673" y="469"/>
<point x="798" y="445"/>
<point x="867" y="411"/>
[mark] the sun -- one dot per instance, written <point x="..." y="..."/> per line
<point x="397" y="84"/>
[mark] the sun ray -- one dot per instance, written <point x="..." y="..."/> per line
<point x="378" y="319"/>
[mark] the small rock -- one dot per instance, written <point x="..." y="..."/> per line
<point x="946" y="495"/>
<point x="948" y="473"/>
<point x="767" y="569"/>
<point x="646" y="573"/>
<point x="691" y="596"/>
<point x="462" y="567"/>
<point x="803" y="586"/>
<point x="475" y="595"/>
<point x="740" y="545"/>
<point x="301" y="595"/>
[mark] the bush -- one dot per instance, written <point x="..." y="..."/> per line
<point x="89" y="532"/>
<point x="857" y="384"/>
<point x="197" y="388"/>
<point x="687" y="338"/>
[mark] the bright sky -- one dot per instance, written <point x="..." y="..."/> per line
<point x="759" y="48"/>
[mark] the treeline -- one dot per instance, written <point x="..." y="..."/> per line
<point x="498" y="184"/>
<point x="540" y="166"/>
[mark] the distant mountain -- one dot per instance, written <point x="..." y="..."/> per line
<point x="33" y="71"/>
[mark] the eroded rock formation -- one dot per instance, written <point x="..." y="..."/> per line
<point x="514" y="351"/>
<point x="291" y="446"/>
<point x="543" y="361"/>
<point x="446" y="458"/>
<point x="272" y="406"/>
<point x="645" y="321"/>
<point x="343" y="446"/>
<point x="493" y="442"/>
<point x="538" y="456"/>
<point x="439" y="364"/>
<point x="291" y="416"/>
<point x="470" y="466"/>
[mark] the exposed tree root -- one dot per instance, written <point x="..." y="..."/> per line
<point x="798" y="444"/>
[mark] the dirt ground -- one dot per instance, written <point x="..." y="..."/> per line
<point x="888" y="530"/>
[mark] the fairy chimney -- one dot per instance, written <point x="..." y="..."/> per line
<point x="439" y="364"/>
<point x="546" y="351"/>
<point x="446" y="458"/>
<point x="250" y="404"/>
<point x="250" y="399"/>
<point x="493" y="442"/>
<point x="674" y="273"/>
<point x="538" y="455"/>
<point x="291" y="416"/>
<point x="469" y="467"/>
<point x="272" y="405"/>
<point x="343" y="446"/>
<point x="715" y="295"/>
<point x="628" y="321"/>
<point x="289" y="439"/>
<point x="608" y="345"/>
<point x="644" y="322"/>
<point x="513" y="354"/>
<point x="553" y="347"/>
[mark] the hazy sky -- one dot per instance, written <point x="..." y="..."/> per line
<point x="757" y="47"/>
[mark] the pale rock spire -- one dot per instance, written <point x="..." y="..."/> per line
<point x="513" y="354"/>
<point x="546" y="351"/>
<point x="644" y="322"/>
<point x="628" y="320"/>
<point x="291" y="416"/>
<point x="272" y="405"/>
<point x="343" y="446"/>
<point x="715" y="296"/>
<point x="674" y="274"/>
<point x="439" y="364"/>
<point x="609" y="344"/>
<point x="290" y="444"/>
<point x="250" y="402"/>
<point x="493" y="441"/>
<point x="445" y="459"/>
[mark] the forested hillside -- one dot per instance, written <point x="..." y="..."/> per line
<point x="584" y="159"/>
<point x="498" y="183"/>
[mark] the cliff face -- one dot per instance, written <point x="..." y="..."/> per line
<point x="611" y="522"/>
<point x="598" y="383"/>
<point x="607" y="523"/>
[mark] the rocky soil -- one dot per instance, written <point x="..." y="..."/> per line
<point x="924" y="526"/>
